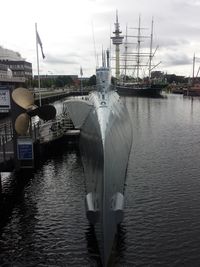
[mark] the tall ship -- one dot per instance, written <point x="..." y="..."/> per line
<point x="105" y="143"/>
<point x="133" y="61"/>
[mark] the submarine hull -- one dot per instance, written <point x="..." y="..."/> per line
<point x="105" y="142"/>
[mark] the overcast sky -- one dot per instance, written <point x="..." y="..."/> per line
<point x="66" y="29"/>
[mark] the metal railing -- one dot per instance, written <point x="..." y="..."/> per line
<point x="39" y="131"/>
<point x="42" y="132"/>
<point x="54" y="129"/>
<point x="6" y="132"/>
<point x="6" y="135"/>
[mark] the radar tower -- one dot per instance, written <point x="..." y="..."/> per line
<point x="117" y="40"/>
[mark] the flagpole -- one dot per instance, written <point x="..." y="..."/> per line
<point x="38" y="67"/>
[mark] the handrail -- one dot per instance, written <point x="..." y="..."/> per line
<point x="6" y="132"/>
<point x="39" y="131"/>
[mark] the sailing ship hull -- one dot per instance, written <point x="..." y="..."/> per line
<point x="153" y="90"/>
<point x="105" y="142"/>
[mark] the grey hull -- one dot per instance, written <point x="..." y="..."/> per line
<point x="105" y="143"/>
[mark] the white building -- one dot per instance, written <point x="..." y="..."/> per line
<point x="16" y="65"/>
<point x="7" y="54"/>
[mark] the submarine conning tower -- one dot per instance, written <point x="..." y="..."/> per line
<point x="103" y="79"/>
<point x="103" y="75"/>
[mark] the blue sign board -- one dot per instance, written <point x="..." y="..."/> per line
<point x="25" y="149"/>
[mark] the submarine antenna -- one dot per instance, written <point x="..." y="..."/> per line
<point x="108" y="58"/>
<point x="95" y="51"/>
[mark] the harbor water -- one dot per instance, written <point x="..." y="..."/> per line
<point x="43" y="222"/>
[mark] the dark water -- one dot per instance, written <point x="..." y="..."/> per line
<point x="44" y="223"/>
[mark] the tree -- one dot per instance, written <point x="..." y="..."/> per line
<point x="62" y="81"/>
<point x="92" y="80"/>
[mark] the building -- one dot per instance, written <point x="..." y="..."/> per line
<point x="3" y="71"/>
<point x="157" y="74"/>
<point x="22" y="69"/>
<point x="7" y="78"/>
<point x="19" y="66"/>
<point x="7" y="54"/>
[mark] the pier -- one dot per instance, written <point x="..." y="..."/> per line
<point x="51" y="95"/>
<point x="56" y="94"/>
<point x="43" y="134"/>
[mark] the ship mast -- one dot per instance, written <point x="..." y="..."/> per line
<point x="193" y="68"/>
<point x="126" y="51"/>
<point x="138" y="48"/>
<point x="117" y="40"/>
<point x="138" y="53"/>
<point x="150" y="53"/>
<point x="138" y="56"/>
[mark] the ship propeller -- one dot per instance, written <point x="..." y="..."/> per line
<point x="25" y="99"/>
<point x="22" y="124"/>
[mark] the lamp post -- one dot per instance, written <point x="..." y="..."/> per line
<point x="51" y="78"/>
<point x="81" y="73"/>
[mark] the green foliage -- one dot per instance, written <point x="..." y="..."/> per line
<point x="92" y="80"/>
<point x="62" y="81"/>
<point x="51" y="82"/>
<point x="174" y="78"/>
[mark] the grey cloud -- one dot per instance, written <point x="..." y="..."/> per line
<point x="192" y="3"/>
<point x="65" y="59"/>
<point x="177" y="59"/>
<point x="172" y="42"/>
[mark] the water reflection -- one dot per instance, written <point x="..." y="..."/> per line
<point x="121" y="245"/>
<point x="12" y="193"/>
<point x="43" y="220"/>
<point x="118" y="248"/>
<point x="92" y="247"/>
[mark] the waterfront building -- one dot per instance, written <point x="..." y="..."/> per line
<point x="14" y="62"/>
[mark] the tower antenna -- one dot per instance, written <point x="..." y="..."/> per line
<point x="117" y="40"/>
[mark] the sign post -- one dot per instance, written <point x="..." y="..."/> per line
<point x="25" y="153"/>
<point x="23" y="145"/>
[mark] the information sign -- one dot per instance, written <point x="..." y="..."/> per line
<point x="4" y="99"/>
<point x="25" y="149"/>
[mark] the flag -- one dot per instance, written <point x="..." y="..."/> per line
<point x="40" y="43"/>
<point x="81" y="71"/>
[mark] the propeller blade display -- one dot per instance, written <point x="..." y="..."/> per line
<point x="22" y="124"/>
<point x="23" y="98"/>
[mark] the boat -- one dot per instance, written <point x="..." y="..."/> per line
<point x="133" y="62"/>
<point x="140" y="89"/>
<point x="105" y="143"/>
<point x="193" y="88"/>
